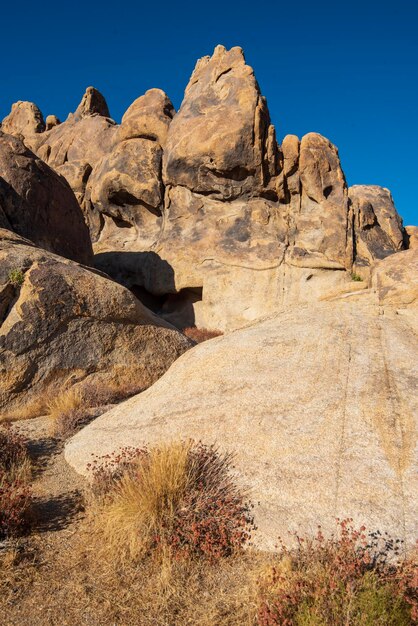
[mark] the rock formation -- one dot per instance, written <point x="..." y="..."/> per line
<point x="62" y="324"/>
<point x="318" y="402"/>
<point x="221" y="141"/>
<point x="38" y="204"/>
<point x="412" y="236"/>
<point x="209" y="221"/>
<point x="378" y="227"/>
<point x="190" y="209"/>
<point x="125" y="190"/>
<point x="395" y="280"/>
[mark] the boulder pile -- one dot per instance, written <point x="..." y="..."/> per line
<point x="202" y="213"/>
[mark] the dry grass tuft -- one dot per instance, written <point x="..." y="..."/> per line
<point x="15" y="472"/>
<point x="67" y="411"/>
<point x="178" y="497"/>
<point x="73" y="408"/>
<point x="143" y="503"/>
<point x="201" y="334"/>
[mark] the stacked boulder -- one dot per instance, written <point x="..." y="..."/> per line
<point x="201" y="212"/>
<point x="62" y="323"/>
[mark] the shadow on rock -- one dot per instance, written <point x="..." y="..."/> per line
<point x="151" y="279"/>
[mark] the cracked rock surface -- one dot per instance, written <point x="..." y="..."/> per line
<point x="62" y="324"/>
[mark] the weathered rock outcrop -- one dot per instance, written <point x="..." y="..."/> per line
<point x="395" y="280"/>
<point x="125" y="189"/>
<point x="412" y="236"/>
<point x="24" y="120"/>
<point x="319" y="404"/>
<point x="191" y="209"/>
<point x="51" y="121"/>
<point x="61" y="324"/>
<point x="377" y="225"/>
<point x="85" y="136"/>
<point x="221" y="141"/>
<point x="148" y="117"/>
<point x="244" y="216"/>
<point x="37" y="203"/>
<point x="319" y="223"/>
<point x="92" y="103"/>
<point x="239" y="216"/>
<point x="71" y="148"/>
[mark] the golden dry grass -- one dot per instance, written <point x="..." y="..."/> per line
<point x="178" y="495"/>
<point x="77" y="578"/>
<point x="64" y="410"/>
<point x="67" y="583"/>
<point x="136" y="511"/>
<point x="73" y="407"/>
<point x="19" y="472"/>
<point x="31" y="409"/>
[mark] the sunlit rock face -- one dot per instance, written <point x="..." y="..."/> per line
<point x="317" y="402"/>
<point x="221" y="141"/>
<point x="62" y="324"/>
<point x="378" y="227"/>
<point x="201" y="212"/>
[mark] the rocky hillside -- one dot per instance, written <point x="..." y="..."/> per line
<point x="114" y="236"/>
<point x="319" y="402"/>
<point x="201" y="212"/>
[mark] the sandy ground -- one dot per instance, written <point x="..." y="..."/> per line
<point x="57" y="513"/>
<point x="57" y="487"/>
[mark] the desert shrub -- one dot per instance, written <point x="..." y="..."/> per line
<point x="181" y="497"/>
<point x="106" y="471"/>
<point x="13" y="452"/>
<point x="15" y="494"/>
<point x="356" y="277"/>
<point x="350" y="579"/>
<point x="15" y="501"/>
<point x="16" y="277"/>
<point x="66" y="411"/>
<point x="201" y="334"/>
<point x="73" y="408"/>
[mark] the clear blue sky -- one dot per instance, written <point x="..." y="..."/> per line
<point x="348" y="70"/>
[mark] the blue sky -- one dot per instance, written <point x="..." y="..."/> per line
<point x="348" y="70"/>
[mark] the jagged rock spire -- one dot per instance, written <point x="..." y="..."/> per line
<point x="221" y="141"/>
<point x="92" y="103"/>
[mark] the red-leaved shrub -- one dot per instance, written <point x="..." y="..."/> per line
<point x="201" y="334"/>
<point x="351" y="578"/>
<point x="15" y="493"/>
<point x="181" y="496"/>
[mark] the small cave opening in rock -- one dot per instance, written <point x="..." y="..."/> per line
<point x="328" y="191"/>
<point x="237" y="173"/>
<point x="122" y="197"/>
<point x="176" y="308"/>
<point x="119" y="222"/>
